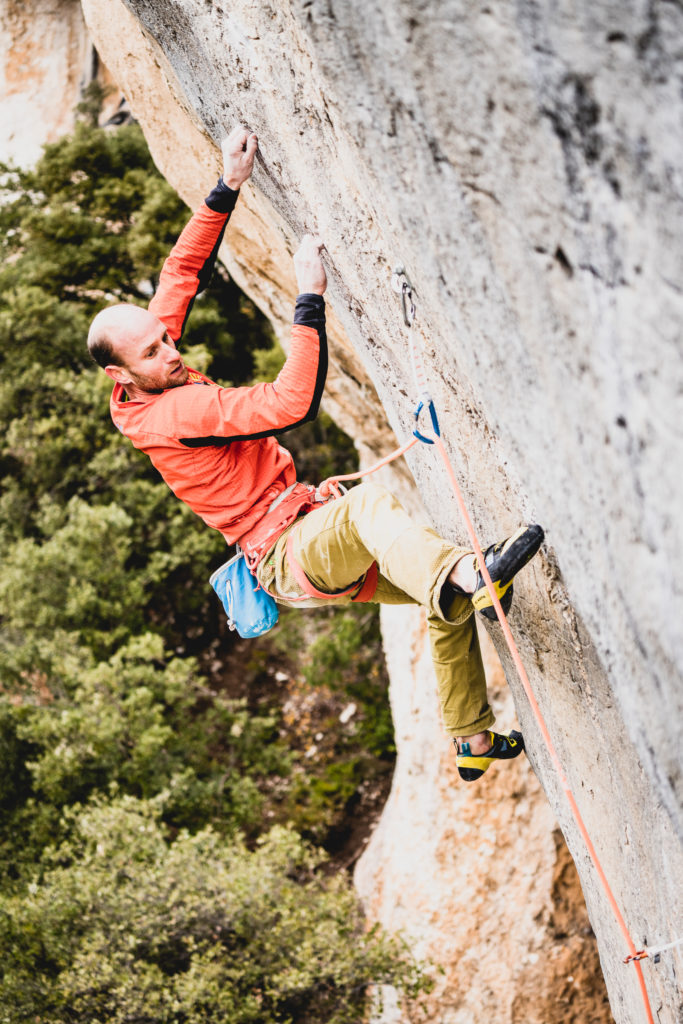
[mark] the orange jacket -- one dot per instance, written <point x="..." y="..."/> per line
<point x="214" y="446"/>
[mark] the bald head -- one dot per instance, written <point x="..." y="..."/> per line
<point x="112" y="327"/>
<point x="134" y="348"/>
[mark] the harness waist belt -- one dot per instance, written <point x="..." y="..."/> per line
<point x="291" y="503"/>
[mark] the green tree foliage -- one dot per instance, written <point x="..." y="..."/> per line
<point x="341" y="667"/>
<point x="124" y="926"/>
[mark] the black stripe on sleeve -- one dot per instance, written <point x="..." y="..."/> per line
<point x="205" y="274"/>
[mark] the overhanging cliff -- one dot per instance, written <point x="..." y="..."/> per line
<point x="522" y="160"/>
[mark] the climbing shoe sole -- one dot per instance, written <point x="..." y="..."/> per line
<point x="503" y="561"/>
<point x="503" y="748"/>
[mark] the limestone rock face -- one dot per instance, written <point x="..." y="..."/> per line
<point x="45" y="58"/>
<point x="46" y="61"/>
<point x="523" y="161"/>
<point x="475" y="875"/>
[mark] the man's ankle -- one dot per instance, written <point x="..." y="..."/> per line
<point x="479" y="743"/>
<point x="463" y="574"/>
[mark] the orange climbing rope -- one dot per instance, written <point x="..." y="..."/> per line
<point x="329" y="486"/>
<point x="402" y="286"/>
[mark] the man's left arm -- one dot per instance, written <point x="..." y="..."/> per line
<point x="207" y="416"/>
<point x="189" y="266"/>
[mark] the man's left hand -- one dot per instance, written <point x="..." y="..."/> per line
<point x="239" y="150"/>
<point x="310" y="272"/>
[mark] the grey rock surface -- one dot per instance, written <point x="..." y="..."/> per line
<point x="523" y="161"/>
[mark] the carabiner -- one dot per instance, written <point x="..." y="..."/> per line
<point x="426" y="400"/>
<point x="402" y="286"/>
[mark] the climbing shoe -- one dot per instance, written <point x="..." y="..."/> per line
<point x="503" y="748"/>
<point x="503" y="561"/>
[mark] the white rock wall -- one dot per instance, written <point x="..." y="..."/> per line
<point x="523" y="160"/>
<point x="45" y="58"/>
<point x="473" y="874"/>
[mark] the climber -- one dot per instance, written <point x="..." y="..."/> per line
<point x="216" y="448"/>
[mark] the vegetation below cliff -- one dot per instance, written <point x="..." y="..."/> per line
<point x="169" y="793"/>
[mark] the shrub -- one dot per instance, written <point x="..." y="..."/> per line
<point x="124" y="926"/>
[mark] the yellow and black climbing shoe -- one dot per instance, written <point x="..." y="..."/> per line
<point x="503" y="561"/>
<point x="503" y="748"/>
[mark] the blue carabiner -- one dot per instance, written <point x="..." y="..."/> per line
<point x="435" y="421"/>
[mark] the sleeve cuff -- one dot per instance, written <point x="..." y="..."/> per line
<point x="222" y="198"/>
<point x="309" y="310"/>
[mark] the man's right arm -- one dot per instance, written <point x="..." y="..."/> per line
<point x="188" y="269"/>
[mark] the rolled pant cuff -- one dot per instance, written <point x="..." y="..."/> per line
<point x="471" y="728"/>
<point x="463" y="607"/>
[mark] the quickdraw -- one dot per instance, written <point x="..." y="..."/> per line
<point x="653" y="954"/>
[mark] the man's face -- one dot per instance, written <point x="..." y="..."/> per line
<point x="149" y="359"/>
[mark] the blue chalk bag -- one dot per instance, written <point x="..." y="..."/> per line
<point x="250" y="609"/>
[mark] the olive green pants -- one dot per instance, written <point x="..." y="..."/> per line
<point x="337" y="543"/>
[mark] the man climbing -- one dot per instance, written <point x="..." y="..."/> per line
<point x="216" y="449"/>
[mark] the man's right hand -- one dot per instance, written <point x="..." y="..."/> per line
<point x="310" y="272"/>
<point x="239" y="150"/>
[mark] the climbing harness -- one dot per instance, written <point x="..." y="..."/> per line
<point x="251" y="609"/>
<point x="360" y="591"/>
<point x="294" y="501"/>
<point x="401" y="284"/>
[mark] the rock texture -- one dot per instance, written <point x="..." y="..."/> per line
<point x="476" y="876"/>
<point x="523" y="160"/>
<point x="45" y="58"/>
<point x="46" y="61"/>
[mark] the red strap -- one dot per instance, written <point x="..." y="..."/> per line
<point x="366" y="593"/>
<point x="263" y="534"/>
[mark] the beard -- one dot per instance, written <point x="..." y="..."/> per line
<point x="155" y="384"/>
